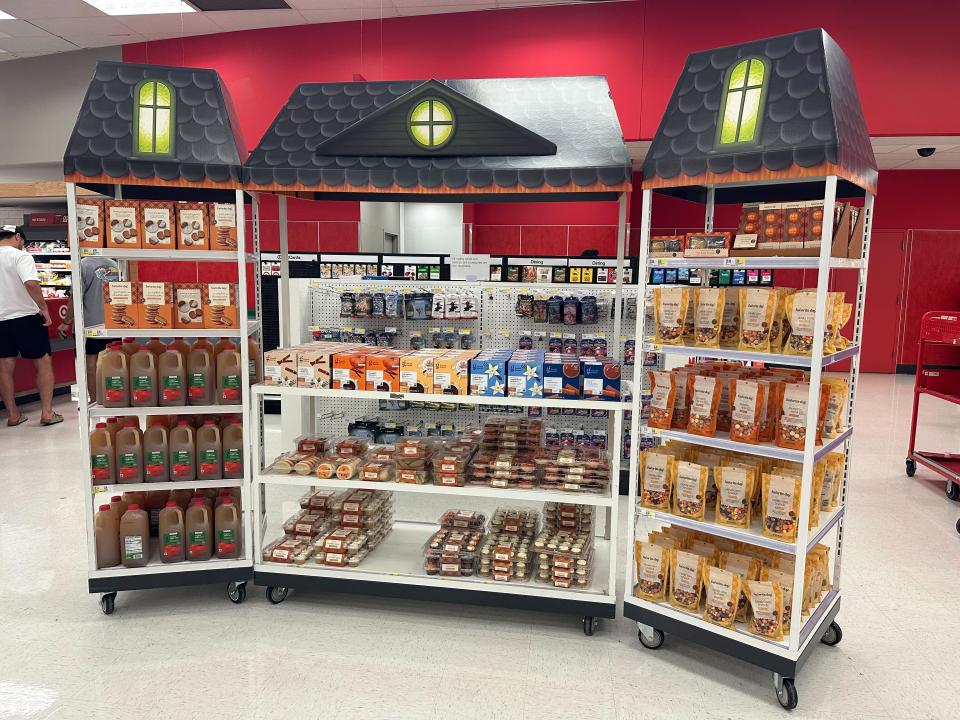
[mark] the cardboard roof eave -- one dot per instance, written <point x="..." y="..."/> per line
<point x="811" y="125"/>
<point x="208" y="150"/>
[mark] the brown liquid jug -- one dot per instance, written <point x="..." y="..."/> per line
<point x="172" y="376"/>
<point x="254" y="364"/>
<point x="106" y="531"/>
<point x="134" y="537"/>
<point x="233" y="450"/>
<point x="118" y="506"/>
<point x="200" y="377"/>
<point x="182" y="498"/>
<point x="181" y="346"/>
<point x="227" y="527"/>
<point x="199" y="529"/>
<point x="229" y="376"/>
<point x="129" y="346"/>
<point x="209" y="452"/>
<point x="172" y="533"/>
<point x="156" y="346"/>
<point x="156" y="452"/>
<point x="102" y="456"/>
<point x="183" y="463"/>
<point x="134" y="497"/>
<point x="130" y="454"/>
<point x="143" y="378"/>
<point x="113" y="391"/>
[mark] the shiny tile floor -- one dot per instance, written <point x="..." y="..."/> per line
<point x="191" y="654"/>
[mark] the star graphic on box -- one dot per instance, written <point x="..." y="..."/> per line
<point x="536" y="390"/>
<point x="530" y="371"/>
<point x="497" y="387"/>
<point x="493" y="370"/>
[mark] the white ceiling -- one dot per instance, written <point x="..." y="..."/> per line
<point x="49" y="26"/>
<point x="891" y="152"/>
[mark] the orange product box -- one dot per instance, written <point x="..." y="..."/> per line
<point x="220" y="306"/>
<point x="383" y="370"/>
<point x="349" y="371"/>
<point x="193" y="232"/>
<point x="280" y="367"/>
<point x="416" y="371"/>
<point x="188" y="301"/>
<point x="121" y="303"/>
<point x="89" y="223"/>
<point x="451" y="372"/>
<point x="771" y="225"/>
<point x="124" y="224"/>
<point x="158" y="225"/>
<point x="156" y="310"/>
<point x="813" y="223"/>
<point x="223" y="226"/>
<point x="794" y="215"/>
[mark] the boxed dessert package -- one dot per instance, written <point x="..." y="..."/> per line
<point x="121" y="304"/>
<point x="188" y="299"/>
<point x="223" y="226"/>
<point x="488" y="373"/>
<point x="156" y="311"/>
<point x="123" y="223"/>
<point x="220" y="306"/>
<point x="89" y="223"/>
<point x="192" y="228"/>
<point x="280" y="367"/>
<point x="158" y="224"/>
<point x="451" y="373"/>
<point x="525" y="374"/>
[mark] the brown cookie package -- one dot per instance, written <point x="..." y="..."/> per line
<point x="89" y="223"/>
<point x="220" y="306"/>
<point x="121" y="304"/>
<point x="124" y="224"/>
<point x="192" y="228"/>
<point x="188" y="302"/>
<point x="158" y="224"/>
<point x="156" y="310"/>
<point x="223" y="226"/>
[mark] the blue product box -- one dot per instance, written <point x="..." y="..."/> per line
<point x="488" y="373"/>
<point x="525" y="374"/>
<point x="601" y="379"/>
<point x="561" y="376"/>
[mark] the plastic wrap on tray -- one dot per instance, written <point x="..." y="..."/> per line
<point x="511" y="433"/>
<point x="305" y="524"/>
<point x="518" y="521"/>
<point x="569" y="517"/>
<point x="377" y="471"/>
<point x="351" y="447"/>
<point x="564" y="559"/>
<point x="294" y="551"/>
<point x="284" y="464"/>
<point x="414" y="477"/>
<point x="462" y="520"/>
<point x="317" y="501"/>
<point x="348" y="468"/>
<point x="414" y="448"/>
<point x="312" y="444"/>
<point x="382" y="452"/>
<point x="506" y="557"/>
<point x="452" y="552"/>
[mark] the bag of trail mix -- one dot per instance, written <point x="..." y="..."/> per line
<point x="690" y="491"/>
<point x="653" y="569"/>
<point x="657" y="473"/>
<point x="669" y="313"/>
<point x="730" y="320"/>
<point x="686" y="577"/>
<point x="757" y="308"/>
<point x="748" y="568"/>
<point x="704" y="394"/>
<point x="785" y="580"/>
<point x="735" y="489"/>
<point x="721" y="590"/>
<point x="748" y="403"/>
<point x="766" y="605"/>
<point x="708" y="315"/>
<point x="792" y="423"/>
<point x="663" y="393"/>
<point x="780" y="507"/>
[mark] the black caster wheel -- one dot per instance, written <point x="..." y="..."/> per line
<point x="958" y="526"/>
<point x="237" y="592"/>
<point x="277" y="595"/>
<point x="107" y="603"/>
<point x="953" y="490"/>
<point x="590" y="625"/>
<point x="787" y="694"/>
<point x="833" y="635"/>
<point x="911" y="468"/>
<point x="651" y="643"/>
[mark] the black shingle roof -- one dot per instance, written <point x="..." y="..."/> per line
<point x="574" y="113"/>
<point x="811" y="115"/>
<point x="207" y="147"/>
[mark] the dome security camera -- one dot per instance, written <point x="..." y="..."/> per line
<point x="926" y="151"/>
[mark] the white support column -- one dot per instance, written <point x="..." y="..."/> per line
<point x="284" y="288"/>
<point x="618" y="302"/>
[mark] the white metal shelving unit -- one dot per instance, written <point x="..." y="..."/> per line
<point x="156" y="574"/>
<point x="654" y="619"/>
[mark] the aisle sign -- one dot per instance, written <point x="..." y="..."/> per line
<point x="469" y="267"/>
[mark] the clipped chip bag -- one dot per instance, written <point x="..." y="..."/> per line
<point x="686" y="577"/>
<point x="757" y="309"/>
<point x="663" y="392"/>
<point x="669" y="313"/>
<point x="708" y="315"/>
<point x="653" y="569"/>
<point x="721" y="591"/>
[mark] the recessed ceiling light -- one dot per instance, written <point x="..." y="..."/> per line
<point x="140" y="7"/>
<point x="6" y="16"/>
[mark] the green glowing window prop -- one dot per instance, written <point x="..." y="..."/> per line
<point x="431" y="124"/>
<point x="742" y="106"/>
<point x="153" y="118"/>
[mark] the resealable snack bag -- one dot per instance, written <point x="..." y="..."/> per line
<point x="681" y="402"/>
<point x="657" y="471"/>
<point x="766" y="604"/>
<point x="734" y="492"/>
<point x="801" y="312"/>
<point x="781" y="506"/>
<point x="730" y="320"/>
<point x="748" y="568"/>
<point x="663" y="392"/>
<point x="785" y="580"/>
<point x="709" y="303"/>
<point x="686" y="577"/>
<point x="780" y="328"/>
<point x="834" y="417"/>
<point x="690" y="490"/>
<point x="704" y="394"/>
<point x="653" y="569"/>
<point x="669" y="313"/>
<point x="748" y="404"/>
<point x="757" y="308"/>
<point x="721" y="592"/>
<point x="792" y="423"/>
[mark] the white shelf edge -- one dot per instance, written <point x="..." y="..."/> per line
<point x="98" y="331"/>
<point x="753" y="262"/>
<point x="156" y="486"/>
<point x="826" y="525"/>
<point x="95" y="411"/>
<point x="762" y="449"/>
<point x="741" y="355"/>
<point x="167" y="568"/>
<point x="516" y="494"/>
<point x="167" y="255"/>
<point x="261" y="389"/>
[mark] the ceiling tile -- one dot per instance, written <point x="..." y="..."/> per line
<point x="21" y="28"/>
<point x="440" y="9"/>
<point x="48" y="43"/>
<point x="341" y="4"/>
<point x="172" y="24"/>
<point x="91" y="26"/>
<point x="94" y="41"/>
<point x="249" y="19"/>
<point x="31" y="9"/>
<point x="340" y="15"/>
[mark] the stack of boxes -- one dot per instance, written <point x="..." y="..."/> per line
<point x="167" y="306"/>
<point x="506" y="554"/>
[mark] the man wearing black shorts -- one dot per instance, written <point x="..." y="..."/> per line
<point x="24" y="319"/>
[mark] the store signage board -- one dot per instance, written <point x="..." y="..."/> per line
<point x="324" y="257"/>
<point x="411" y="259"/>
<point x="292" y="257"/>
<point x="595" y="262"/>
<point x="469" y="267"/>
<point x="543" y="261"/>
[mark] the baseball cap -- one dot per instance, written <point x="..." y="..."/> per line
<point x="12" y="229"/>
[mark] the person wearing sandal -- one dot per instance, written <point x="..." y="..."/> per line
<point x="24" y="319"/>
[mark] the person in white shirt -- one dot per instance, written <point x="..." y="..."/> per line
<point x="24" y="319"/>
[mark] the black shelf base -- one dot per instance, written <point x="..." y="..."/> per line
<point x="152" y="581"/>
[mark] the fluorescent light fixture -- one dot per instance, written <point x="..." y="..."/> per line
<point x="140" y="7"/>
<point x="6" y="16"/>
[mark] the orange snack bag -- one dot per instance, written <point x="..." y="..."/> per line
<point x="747" y="401"/>
<point x="663" y="390"/>
<point x="704" y="394"/>
<point x="792" y="422"/>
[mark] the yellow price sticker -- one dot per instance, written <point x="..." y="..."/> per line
<point x="657" y="347"/>
<point x="653" y="431"/>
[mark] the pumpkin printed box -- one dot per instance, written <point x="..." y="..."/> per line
<point x="89" y="223"/>
<point x="123" y="224"/>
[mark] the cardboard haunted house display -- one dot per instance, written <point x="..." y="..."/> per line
<point x="507" y="137"/>
<point x="154" y="125"/>
<point x="746" y="117"/>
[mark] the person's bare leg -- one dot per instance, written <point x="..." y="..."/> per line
<point x="44" y="367"/>
<point x="6" y="387"/>
<point x="92" y="377"/>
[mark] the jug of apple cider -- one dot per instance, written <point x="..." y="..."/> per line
<point x="118" y="506"/>
<point x="227" y="528"/>
<point x="133" y="497"/>
<point x="129" y="346"/>
<point x="114" y="388"/>
<point x="113" y="427"/>
<point x="102" y="456"/>
<point x="106" y="532"/>
<point x="143" y="378"/>
<point x="209" y="452"/>
<point x="199" y="529"/>
<point x="172" y="375"/>
<point x="207" y="494"/>
<point x="181" y="497"/>
<point x="156" y="452"/>
<point x="219" y="346"/>
<point x="183" y="463"/>
<point x="172" y="533"/>
<point x="134" y="537"/>
<point x="200" y="376"/>
<point x="181" y="346"/>
<point x="233" y="450"/>
<point x="156" y="346"/>
<point x="205" y="344"/>
<point x="229" y="376"/>
<point x="130" y="453"/>
<point x="255" y="362"/>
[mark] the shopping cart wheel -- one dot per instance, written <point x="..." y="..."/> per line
<point x="953" y="490"/>
<point x="652" y="642"/>
<point x="590" y="624"/>
<point x="786" y="692"/>
<point x="276" y="595"/>
<point x="237" y="592"/>
<point x="833" y="635"/>
<point x="106" y="603"/>
<point x="911" y="468"/>
<point x="958" y="526"/>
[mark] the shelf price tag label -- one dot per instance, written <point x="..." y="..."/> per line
<point x="396" y="396"/>
<point x="656" y="347"/>
<point x="87" y="252"/>
<point x="97" y="489"/>
<point x="644" y="512"/>
<point x="652" y="431"/>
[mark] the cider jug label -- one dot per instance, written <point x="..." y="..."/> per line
<point x="100" y="466"/>
<point x="114" y="387"/>
<point x="154" y="463"/>
<point x="172" y="544"/>
<point x="231" y="387"/>
<point x="196" y="543"/>
<point x="128" y="465"/>
<point x="181" y="463"/>
<point x="226" y="542"/>
<point x="133" y="547"/>
<point x="142" y="387"/>
<point x="209" y="461"/>
<point x="198" y="385"/>
<point x="172" y="387"/>
<point x="232" y="460"/>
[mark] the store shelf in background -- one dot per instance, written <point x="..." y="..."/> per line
<point x="753" y="535"/>
<point x="534" y="495"/>
<point x="174" y="255"/>
<point x="141" y="412"/>
<point x="763" y="449"/>
<point x="156" y="486"/>
<point x="754" y="262"/>
<point x="99" y="331"/>
<point x="435" y="398"/>
<point x="155" y="567"/>
<point x="743" y="356"/>
<point x="398" y="559"/>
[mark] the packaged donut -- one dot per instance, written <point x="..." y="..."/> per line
<point x="686" y="576"/>
<point x="657" y="473"/>
<point x="757" y="309"/>
<point x="690" y="490"/>
<point x="747" y="404"/>
<point x="780" y="507"/>
<point x="708" y="316"/>
<point x="669" y="312"/>
<point x="766" y="603"/>
<point x="704" y="398"/>
<point x="653" y="570"/>
<point x="734" y="492"/>
<point x="663" y="389"/>
<point x="721" y="594"/>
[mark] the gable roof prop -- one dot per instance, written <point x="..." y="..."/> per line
<point x="810" y="124"/>
<point x="207" y="149"/>
<point x="513" y="136"/>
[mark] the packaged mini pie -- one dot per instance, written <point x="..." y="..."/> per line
<point x="690" y="491"/>
<point x="748" y="405"/>
<point x="669" y="313"/>
<point x="708" y="316"/>
<point x="704" y="395"/>
<point x="834" y="418"/>
<point x="721" y="591"/>
<point x="653" y="569"/>
<point x="748" y="568"/>
<point x="735" y="489"/>
<point x="792" y="423"/>
<point x="663" y="391"/>
<point x="780" y="506"/>
<point x="785" y="580"/>
<point x="657" y="473"/>
<point x="766" y="602"/>
<point x="801" y="312"/>
<point x="686" y="576"/>
<point x="730" y="320"/>
<point x="757" y="309"/>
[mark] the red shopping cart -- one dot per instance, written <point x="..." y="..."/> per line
<point x="938" y="328"/>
